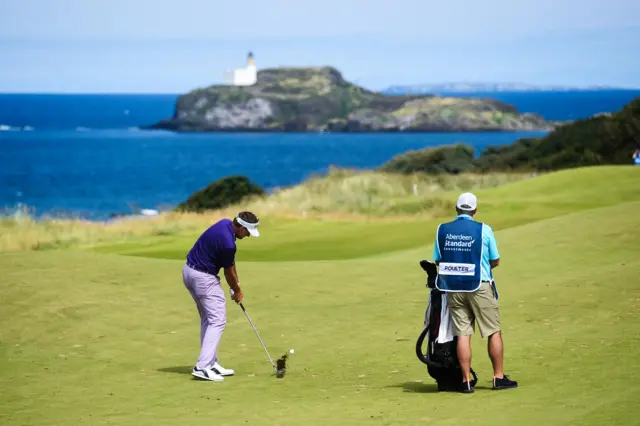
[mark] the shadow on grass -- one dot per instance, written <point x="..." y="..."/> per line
<point x="179" y="370"/>
<point x="417" y="387"/>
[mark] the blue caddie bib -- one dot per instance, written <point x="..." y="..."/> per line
<point x="636" y="161"/>
<point x="460" y="247"/>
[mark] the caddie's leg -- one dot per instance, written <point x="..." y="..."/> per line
<point x="464" y="356"/>
<point x="487" y="312"/>
<point x="485" y="306"/>
<point x="494" y="346"/>
<point x="462" y="325"/>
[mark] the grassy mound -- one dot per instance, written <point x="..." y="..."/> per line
<point x="91" y="338"/>
<point x="343" y="194"/>
<point x="503" y="206"/>
<point x="376" y="194"/>
<point x="320" y="220"/>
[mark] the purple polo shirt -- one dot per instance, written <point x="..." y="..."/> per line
<point x="215" y="249"/>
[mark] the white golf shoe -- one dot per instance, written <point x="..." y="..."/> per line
<point x="206" y="374"/>
<point x="218" y="369"/>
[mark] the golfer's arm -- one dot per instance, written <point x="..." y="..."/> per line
<point x="231" y="276"/>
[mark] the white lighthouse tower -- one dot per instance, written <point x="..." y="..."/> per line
<point x="247" y="76"/>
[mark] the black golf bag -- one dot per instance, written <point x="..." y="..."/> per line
<point x="441" y="358"/>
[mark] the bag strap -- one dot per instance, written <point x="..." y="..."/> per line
<point x="475" y="378"/>
<point x="419" y="343"/>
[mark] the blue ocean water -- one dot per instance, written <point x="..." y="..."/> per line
<point x="83" y="155"/>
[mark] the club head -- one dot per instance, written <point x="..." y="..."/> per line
<point x="281" y="368"/>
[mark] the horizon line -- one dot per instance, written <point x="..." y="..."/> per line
<point x="592" y="88"/>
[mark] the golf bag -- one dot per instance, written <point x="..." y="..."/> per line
<point x="440" y="355"/>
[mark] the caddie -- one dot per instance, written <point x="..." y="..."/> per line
<point x="466" y="251"/>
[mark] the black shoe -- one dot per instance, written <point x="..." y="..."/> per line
<point x="504" y="383"/>
<point x="465" y="387"/>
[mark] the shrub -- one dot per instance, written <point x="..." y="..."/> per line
<point x="453" y="159"/>
<point x="221" y="193"/>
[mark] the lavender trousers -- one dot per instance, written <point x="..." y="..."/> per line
<point x="211" y="303"/>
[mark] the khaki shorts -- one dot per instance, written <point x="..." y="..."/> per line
<point x="481" y="306"/>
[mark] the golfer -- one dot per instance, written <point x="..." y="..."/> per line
<point x="466" y="252"/>
<point x="215" y="249"/>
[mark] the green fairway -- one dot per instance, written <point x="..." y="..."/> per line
<point x="100" y="338"/>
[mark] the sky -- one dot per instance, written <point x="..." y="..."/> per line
<point x="161" y="46"/>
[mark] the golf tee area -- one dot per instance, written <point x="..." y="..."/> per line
<point x="97" y="328"/>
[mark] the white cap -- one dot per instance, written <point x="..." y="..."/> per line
<point x="251" y="227"/>
<point x="467" y="202"/>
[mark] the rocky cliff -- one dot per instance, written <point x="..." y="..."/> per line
<point x="320" y="99"/>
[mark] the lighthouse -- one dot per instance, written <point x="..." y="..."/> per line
<point x="247" y="76"/>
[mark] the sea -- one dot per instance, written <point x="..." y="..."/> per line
<point x="85" y="156"/>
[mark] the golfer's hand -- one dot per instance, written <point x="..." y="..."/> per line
<point x="237" y="296"/>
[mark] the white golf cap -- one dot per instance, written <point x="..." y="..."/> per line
<point x="251" y="227"/>
<point x="467" y="202"/>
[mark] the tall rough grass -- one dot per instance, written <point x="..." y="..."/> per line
<point x="23" y="232"/>
<point x="375" y="194"/>
<point x="342" y="193"/>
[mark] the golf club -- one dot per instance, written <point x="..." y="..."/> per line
<point x="280" y="369"/>
<point x="254" y="329"/>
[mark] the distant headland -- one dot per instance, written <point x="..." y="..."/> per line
<point x="488" y="87"/>
<point x="319" y="99"/>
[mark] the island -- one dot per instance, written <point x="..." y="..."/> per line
<point x="319" y="99"/>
